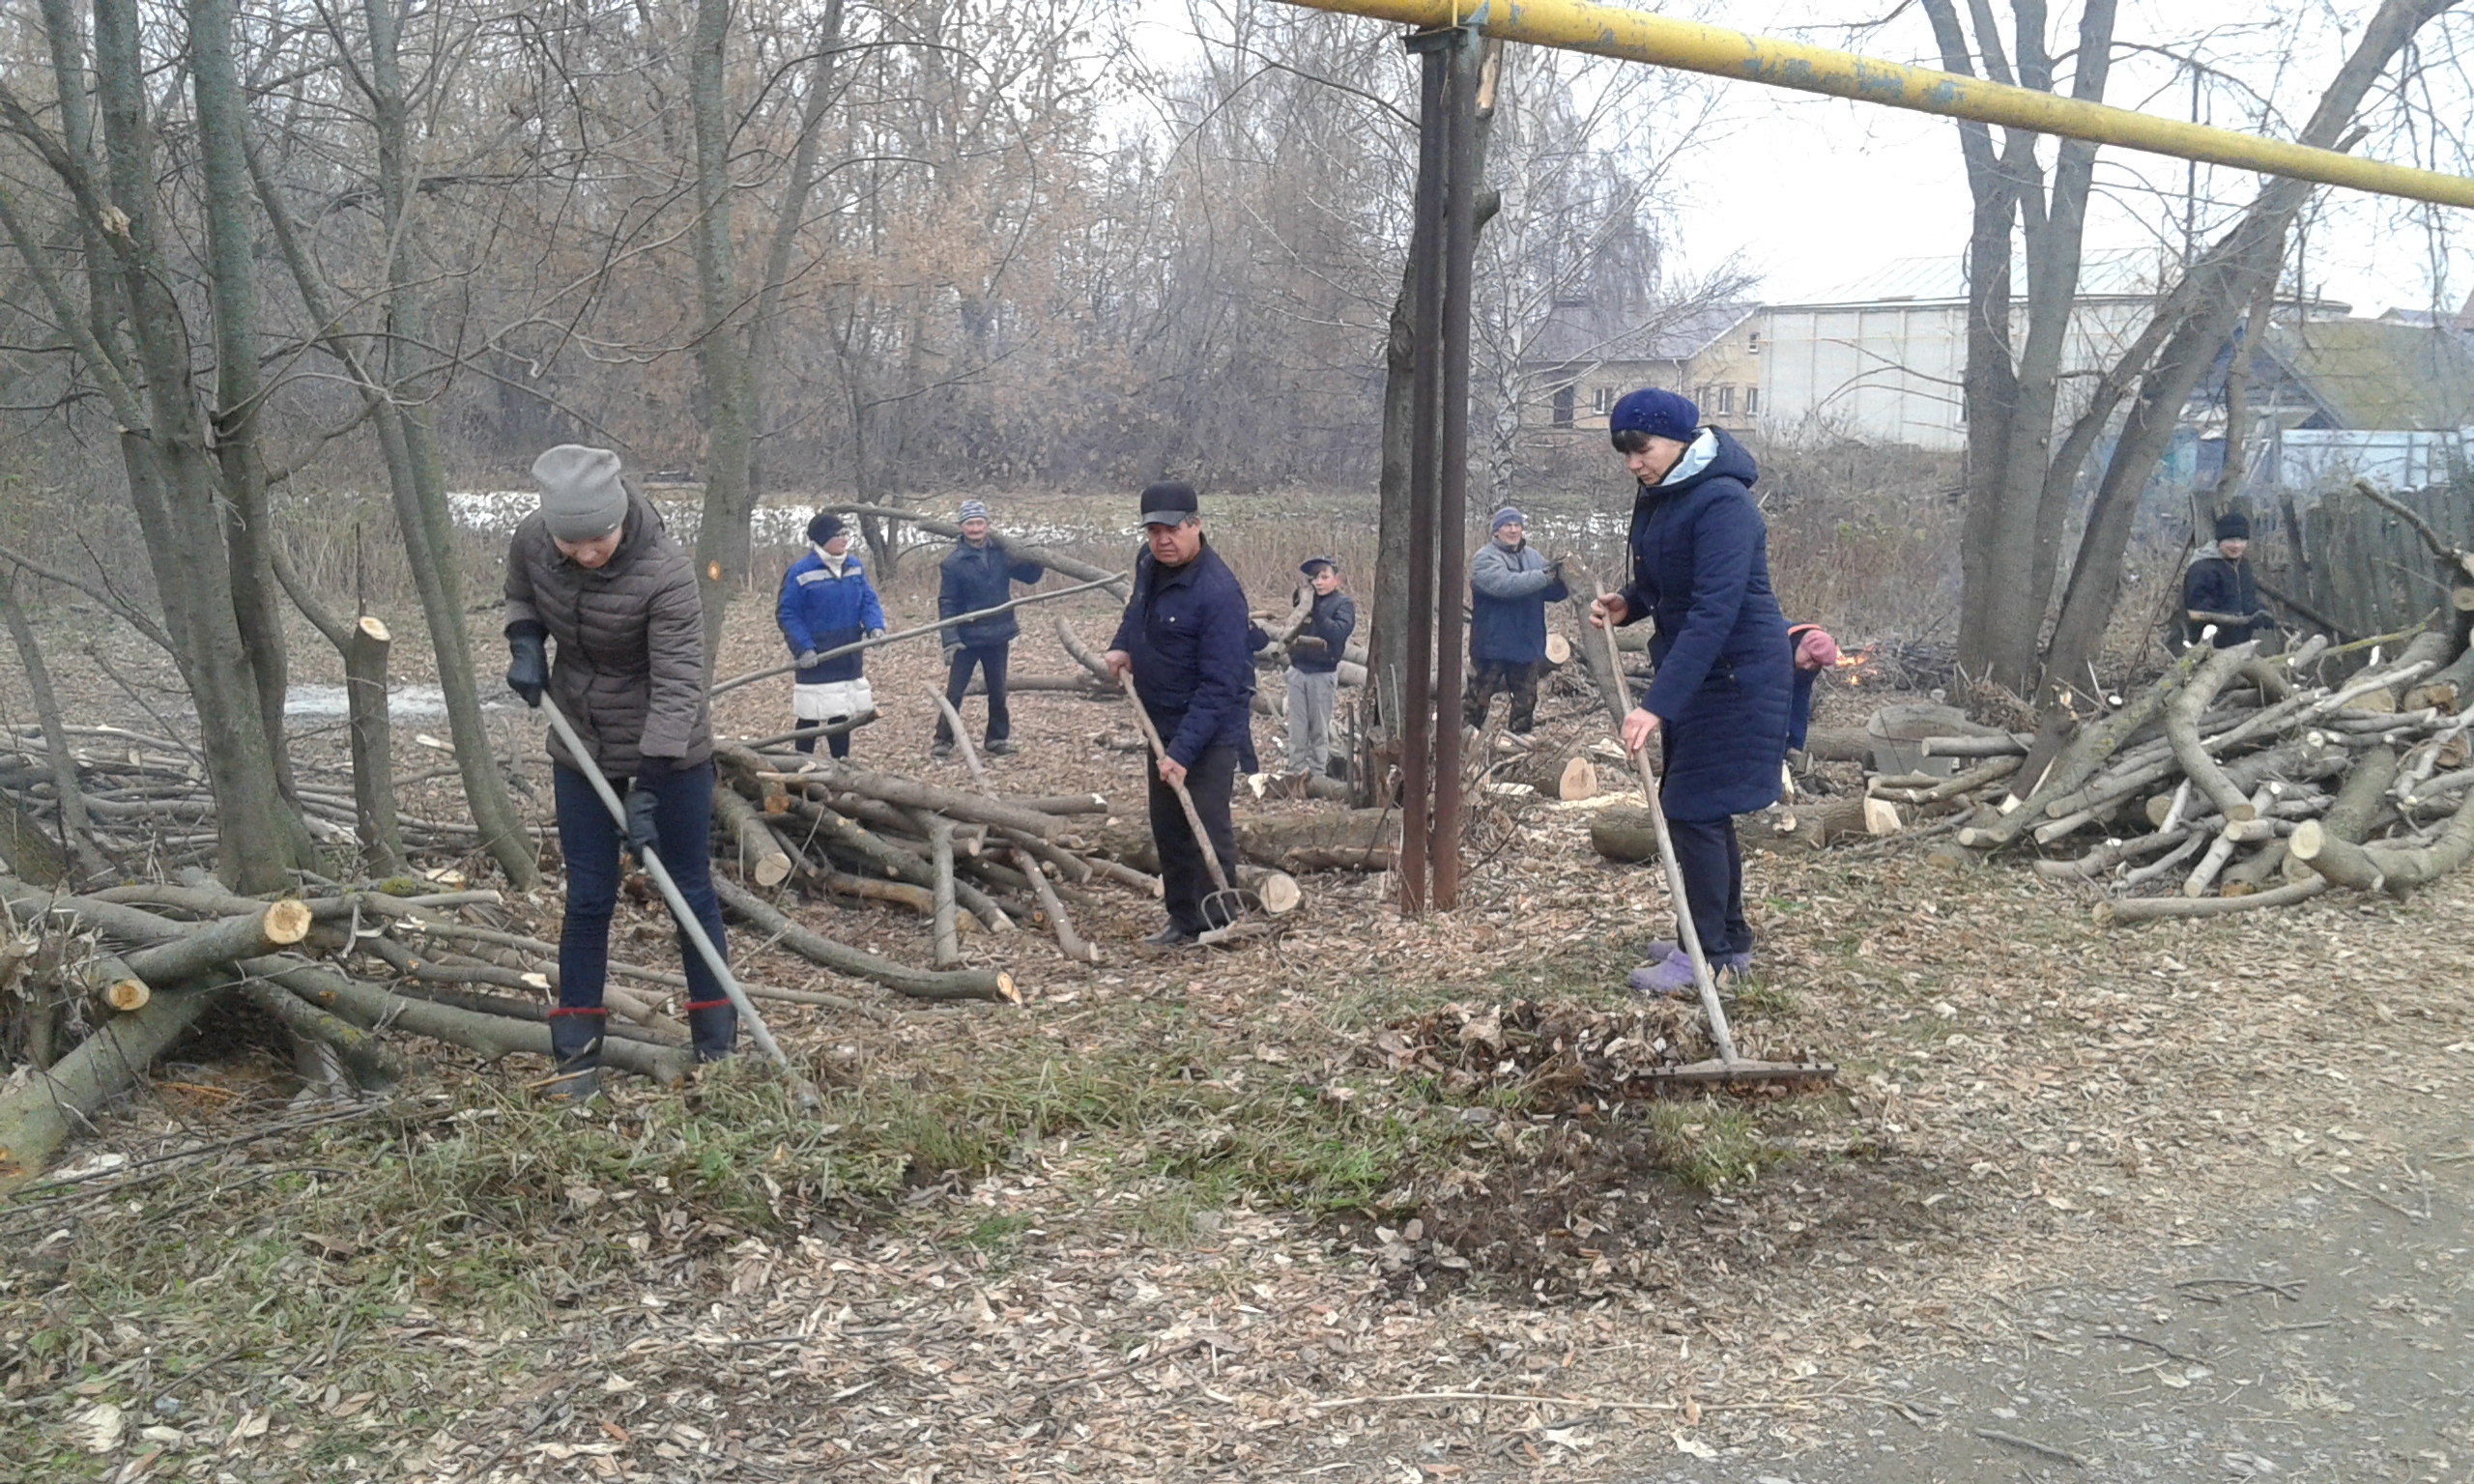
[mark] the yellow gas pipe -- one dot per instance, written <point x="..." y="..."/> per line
<point x="1640" y="36"/>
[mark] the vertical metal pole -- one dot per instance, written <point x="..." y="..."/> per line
<point x="1417" y="702"/>
<point x="1451" y="512"/>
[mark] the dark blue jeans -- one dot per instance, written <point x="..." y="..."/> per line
<point x="1711" y="864"/>
<point x="588" y="838"/>
<point x="990" y="659"/>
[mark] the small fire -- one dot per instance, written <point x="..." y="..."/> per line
<point x="1856" y="666"/>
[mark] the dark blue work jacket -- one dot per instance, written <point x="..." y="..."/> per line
<point x="972" y="578"/>
<point x="1193" y="669"/>
<point x="1700" y="568"/>
<point x="1332" y="621"/>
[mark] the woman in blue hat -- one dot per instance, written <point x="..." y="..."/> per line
<point x="1720" y="701"/>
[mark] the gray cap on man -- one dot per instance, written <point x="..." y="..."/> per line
<point x="582" y="496"/>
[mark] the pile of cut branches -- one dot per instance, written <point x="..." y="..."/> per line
<point x="2234" y="782"/>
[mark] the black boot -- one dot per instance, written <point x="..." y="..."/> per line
<point x="575" y="1046"/>
<point x="712" y="1028"/>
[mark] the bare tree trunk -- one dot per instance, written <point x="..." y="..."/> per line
<point x="63" y="769"/>
<point x="364" y="645"/>
<point x="223" y="126"/>
<point x="722" y="536"/>
<point x="765" y="328"/>
<point x="260" y="837"/>
<point x="1387" y="656"/>
<point x="407" y="446"/>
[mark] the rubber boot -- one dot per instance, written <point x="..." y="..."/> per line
<point x="712" y="1028"/>
<point x="575" y="1047"/>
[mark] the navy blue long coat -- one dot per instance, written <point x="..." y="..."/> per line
<point x="1725" y="676"/>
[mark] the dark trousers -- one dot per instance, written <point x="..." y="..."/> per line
<point x="588" y="838"/>
<point x="837" y="745"/>
<point x="1711" y="864"/>
<point x="1184" y="879"/>
<point x="990" y="661"/>
<point x="1488" y="678"/>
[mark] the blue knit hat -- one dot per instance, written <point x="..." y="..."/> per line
<point x="1503" y="518"/>
<point x="823" y="527"/>
<point x="973" y="510"/>
<point x="1656" y="411"/>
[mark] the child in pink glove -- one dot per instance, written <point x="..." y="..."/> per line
<point x="1815" y="651"/>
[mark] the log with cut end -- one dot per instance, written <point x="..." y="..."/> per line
<point x="1069" y="942"/>
<point x="2078" y="761"/>
<point x="38" y="1118"/>
<point x="1839" y="744"/>
<point x="1624" y="833"/>
<point x="758" y="853"/>
<point x="1814" y="824"/>
<point x="2181" y="729"/>
<point x="368" y="1005"/>
<point x="902" y="979"/>
<point x="2143" y="909"/>
<point x="1276" y="891"/>
<point x="1559" y="651"/>
<point x="247" y="935"/>
<point x="2013" y="746"/>
<point x="1328" y="858"/>
<point x="910" y="793"/>
<point x="2398" y="867"/>
<point x="1579" y="780"/>
<point x="948" y="939"/>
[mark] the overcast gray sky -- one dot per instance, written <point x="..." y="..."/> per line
<point x="1815" y="192"/>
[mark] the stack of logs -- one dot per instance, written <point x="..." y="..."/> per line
<point x="2233" y="782"/>
<point x="145" y="798"/>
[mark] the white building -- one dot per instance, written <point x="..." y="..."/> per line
<point x="1885" y="358"/>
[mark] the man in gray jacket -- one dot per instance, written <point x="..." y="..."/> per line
<point x="1509" y="586"/>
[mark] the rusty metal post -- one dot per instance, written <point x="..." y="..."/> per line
<point x="1426" y="254"/>
<point x="1451" y="506"/>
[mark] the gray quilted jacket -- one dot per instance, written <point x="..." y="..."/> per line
<point x="629" y="641"/>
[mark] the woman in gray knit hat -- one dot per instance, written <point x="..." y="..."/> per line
<point x="594" y="570"/>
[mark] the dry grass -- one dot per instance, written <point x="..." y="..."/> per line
<point x="1161" y="1221"/>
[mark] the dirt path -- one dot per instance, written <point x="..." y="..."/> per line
<point x="2326" y="1338"/>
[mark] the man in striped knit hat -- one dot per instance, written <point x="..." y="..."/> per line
<point x="977" y="574"/>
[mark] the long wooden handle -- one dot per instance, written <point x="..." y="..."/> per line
<point x="1194" y="818"/>
<point x="1042" y="596"/>
<point x="757" y="1030"/>
<point x="1686" y="935"/>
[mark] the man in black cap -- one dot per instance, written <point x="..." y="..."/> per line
<point x="2219" y="590"/>
<point x="1184" y="640"/>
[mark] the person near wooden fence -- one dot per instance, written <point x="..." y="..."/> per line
<point x="593" y="569"/>
<point x="1185" y="640"/>
<point x="1509" y="585"/>
<point x="978" y="574"/>
<point x="1723" y="690"/>
<point x="828" y="604"/>
<point x="2220" y="592"/>
<point x="1314" y="656"/>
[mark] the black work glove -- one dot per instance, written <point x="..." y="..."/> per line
<point x="528" y="670"/>
<point x="808" y="659"/>
<point x="2265" y="619"/>
<point x="1309" y="644"/>
<point x="642" y="833"/>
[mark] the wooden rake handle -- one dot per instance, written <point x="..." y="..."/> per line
<point x="1185" y="800"/>
<point x="1686" y="935"/>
